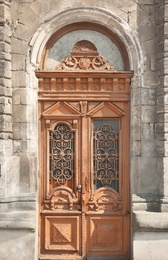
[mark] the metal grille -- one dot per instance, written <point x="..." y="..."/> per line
<point x="106" y="154"/>
<point x="61" y="154"/>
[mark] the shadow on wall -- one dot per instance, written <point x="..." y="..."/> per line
<point x="149" y="184"/>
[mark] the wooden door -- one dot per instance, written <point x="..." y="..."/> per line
<point x="84" y="164"/>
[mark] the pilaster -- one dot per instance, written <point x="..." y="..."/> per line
<point x="5" y="91"/>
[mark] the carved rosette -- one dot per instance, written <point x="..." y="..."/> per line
<point x="105" y="200"/>
<point x="84" y="56"/>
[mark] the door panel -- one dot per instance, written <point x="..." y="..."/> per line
<point x="84" y="192"/>
<point x="62" y="233"/>
<point x="105" y="235"/>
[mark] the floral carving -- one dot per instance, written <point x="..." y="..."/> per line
<point x="84" y="56"/>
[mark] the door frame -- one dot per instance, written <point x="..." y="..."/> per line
<point x="120" y="92"/>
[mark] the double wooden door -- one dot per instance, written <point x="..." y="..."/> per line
<point x="84" y="176"/>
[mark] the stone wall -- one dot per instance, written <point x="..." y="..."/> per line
<point x="25" y="27"/>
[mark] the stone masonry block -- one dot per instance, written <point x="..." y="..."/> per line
<point x="146" y="2"/>
<point x="159" y="128"/>
<point x="13" y="170"/>
<point x="166" y="45"/>
<point x="18" y="46"/>
<point x="28" y="16"/>
<point x="24" y="174"/>
<point x="19" y="147"/>
<point x="165" y="26"/>
<point x="160" y="31"/>
<point x="148" y="114"/>
<point x="150" y="78"/>
<point x="20" y="113"/>
<point x="20" y="131"/>
<point x="5" y="82"/>
<point x="5" y="64"/>
<point x="8" y="123"/>
<point x="166" y="176"/>
<point x="20" y="96"/>
<point x="16" y="131"/>
<point x="18" y="62"/>
<point x="5" y="56"/>
<point x="4" y="47"/>
<point x="24" y="32"/>
<point x="5" y="73"/>
<point x="18" y="79"/>
<point x="135" y="96"/>
<point x="16" y="97"/>
<point x="153" y="64"/>
<point x="148" y="147"/>
<point x="33" y="170"/>
<point x="8" y="147"/>
<point x="4" y="36"/>
<point x="136" y="148"/>
<point x="36" y="7"/>
<point x="148" y="131"/>
<point x="148" y="96"/>
<point x="149" y="46"/>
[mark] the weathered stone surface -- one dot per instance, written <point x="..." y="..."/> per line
<point x="18" y="245"/>
<point x="142" y="25"/>
<point x="150" y="245"/>
<point x="18" y="79"/>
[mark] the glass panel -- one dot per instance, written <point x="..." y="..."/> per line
<point x="106" y="153"/>
<point x="61" y="154"/>
<point x="104" y="45"/>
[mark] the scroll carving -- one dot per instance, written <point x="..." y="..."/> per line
<point x="106" y="200"/>
<point x="84" y="56"/>
<point x="62" y="198"/>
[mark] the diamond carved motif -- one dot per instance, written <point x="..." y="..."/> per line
<point x="104" y="233"/>
<point x="61" y="233"/>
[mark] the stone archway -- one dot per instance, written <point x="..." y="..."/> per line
<point x="108" y="20"/>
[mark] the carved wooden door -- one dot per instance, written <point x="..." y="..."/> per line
<point x="84" y="163"/>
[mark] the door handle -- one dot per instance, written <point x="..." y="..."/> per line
<point x="79" y="188"/>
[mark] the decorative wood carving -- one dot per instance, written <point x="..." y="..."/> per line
<point x="105" y="235"/>
<point x="62" y="198"/>
<point x="105" y="200"/>
<point x="61" y="234"/>
<point x="92" y="83"/>
<point x="84" y="56"/>
<point x="82" y="90"/>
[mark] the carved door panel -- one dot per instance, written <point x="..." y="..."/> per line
<point x="84" y="188"/>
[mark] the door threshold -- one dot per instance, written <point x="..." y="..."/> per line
<point x="59" y="257"/>
<point x="107" y="258"/>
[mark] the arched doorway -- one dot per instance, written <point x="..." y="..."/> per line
<point x="84" y="148"/>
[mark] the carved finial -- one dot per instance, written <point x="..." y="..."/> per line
<point x="83" y="47"/>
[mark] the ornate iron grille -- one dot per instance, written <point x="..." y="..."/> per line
<point x="106" y="154"/>
<point x="61" y="154"/>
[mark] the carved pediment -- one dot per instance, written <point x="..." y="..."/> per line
<point x="103" y="109"/>
<point x="59" y="109"/>
<point x="84" y="56"/>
